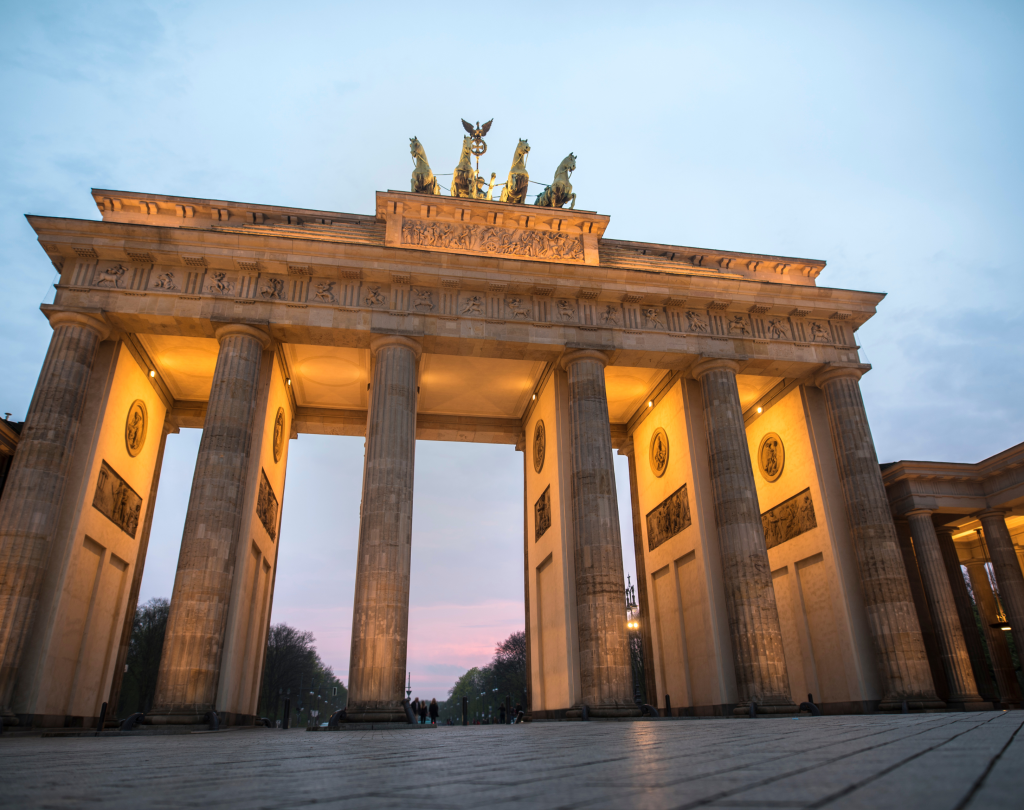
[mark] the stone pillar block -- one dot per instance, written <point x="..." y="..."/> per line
<point x="605" y="673"/>
<point x="956" y="662"/>
<point x="380" y="616"/>
<point x="1002" y="661"/>
<point x="1008" y="572"/>
<point x="965" y="611"/>
<point x="35" y="486"/>
<point x="755" y="632"/>
<point x="902" y="662"/>
<point x="190" y="665"/>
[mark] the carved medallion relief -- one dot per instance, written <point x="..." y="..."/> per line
<point x="135" y="428"/>
<point x="278" y="434"/>
<point x="266" y="506"/>
<point x="117" y="501"/>
<point x="659" y="452"/>
<point x="542" y="514"/>
<point x="789" y="519"/>
<point x="668" y="518"/>
<point x="771" y="457"/>
<point x="539" y="446"/>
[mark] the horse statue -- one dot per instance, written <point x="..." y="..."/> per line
<point x="423" y="180"/>
<point x="518" y="178"/>
<point x="560" y="191"/>
<point x="464" y="178"/>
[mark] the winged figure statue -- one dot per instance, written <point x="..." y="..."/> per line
<point x="477" y="131"/>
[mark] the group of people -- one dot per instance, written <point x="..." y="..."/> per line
<point x="422" y="709"/>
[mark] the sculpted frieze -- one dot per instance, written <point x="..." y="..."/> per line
<point x="117" y="501"/>
<point x="267" y="506"/>
<point x="110" y="276"/>
<point x="668" y="518"/>
<point x="492" y="239"/>
<point x="325" y="292"/>
<point x="789" y="519"/>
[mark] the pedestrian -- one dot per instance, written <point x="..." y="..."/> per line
<point x="415" y="706"/>
<point x="501" y="714"/>
<point x="423" y="713"/>
<point x="433" y="711"/>
<point x="519" y="711"/>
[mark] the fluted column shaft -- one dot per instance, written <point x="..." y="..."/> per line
<point x="194" y="642"/>
<point x="988" y="611"/>
<point x="755" y="632"/>
<point x="35" y="486"/>
<point x="902" y="662"/>
<point x="380" y="617"/>
<point x="1007" y="569"/>
<point x="605" y="673"/>
<point x="939" y="592"/>
<point x="965" y="611"/>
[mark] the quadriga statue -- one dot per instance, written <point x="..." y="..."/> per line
<point x="423" y="180"/>
<point x="464" y="178"/>
<point x="518" y="178"/>
<point x="560" y="191"/>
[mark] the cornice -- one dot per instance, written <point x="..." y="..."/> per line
<point x="64" y="239"/>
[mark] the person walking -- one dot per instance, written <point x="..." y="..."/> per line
<point x="433" y="711"/>
<point x="423" y="713"/>
<point x="501" y="714"/>
<point x="415" y="706"/>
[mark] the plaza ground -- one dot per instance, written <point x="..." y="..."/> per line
<point x="929" y="761"/>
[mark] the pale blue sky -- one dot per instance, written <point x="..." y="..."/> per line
<point x="881" y="137"/>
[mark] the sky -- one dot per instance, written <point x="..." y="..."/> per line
<point x="881" y="137"/>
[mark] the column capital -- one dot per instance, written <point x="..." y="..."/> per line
<point x="575" y="355"/>
<point x="920" y="511"/>
<point x="229" y="329"/>
<point x="831" y="373"/>
<point x="627" y="448"/>
<point x="991" y="513"/>
<point x="383" y="341"/>
<point x="714" y="364"/>
<point x="95" y="323"/>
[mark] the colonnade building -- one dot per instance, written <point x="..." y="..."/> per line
<point x="769" y="565"/>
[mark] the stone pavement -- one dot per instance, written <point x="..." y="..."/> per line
<point x="929" y="761"/>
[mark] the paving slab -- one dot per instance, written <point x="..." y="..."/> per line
<point x="879" y="761"/>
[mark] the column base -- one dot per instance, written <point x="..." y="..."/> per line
<point x="969" y="705"/>
<point x="384" y="714"/>
<point x="607" y="710"/>
<point x="770" y="706"/>
<point x="916" y="703"/>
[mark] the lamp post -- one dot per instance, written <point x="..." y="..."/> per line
<point x="636" y="658"/>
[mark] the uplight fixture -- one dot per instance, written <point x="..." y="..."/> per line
<point x="152" y="372"/>
<point x="650" y="404"/>
<point x="759" y="409"/>
<point x="288" y="380"/>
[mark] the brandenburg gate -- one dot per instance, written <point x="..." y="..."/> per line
<point x="767" y="558"/>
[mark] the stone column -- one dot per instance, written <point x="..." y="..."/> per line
<point x="902" y="662"/>
<point x="988" y="612"/>
<point x="136" y="585"/>
<point x="190" y="664"/>
<point x="1008" y="574"/>
<point x="35" y="486"/>
<point x="380" y="616"/>
<point x="754" y="627"/>
<point x="957" y="663"/>
<point x="646" y="614"/>
<point x="605" y="673"/>
<point x="965" y="611"/>
<point x="924" y="616"/>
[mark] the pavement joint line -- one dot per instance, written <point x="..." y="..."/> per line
<point x="984" y="775"/>
<point x="730" y="792"/>
<point x="863" y="783"/>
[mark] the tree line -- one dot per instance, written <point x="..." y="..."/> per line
<point x="293" y="671"/>
<point x="488" y="687"/>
